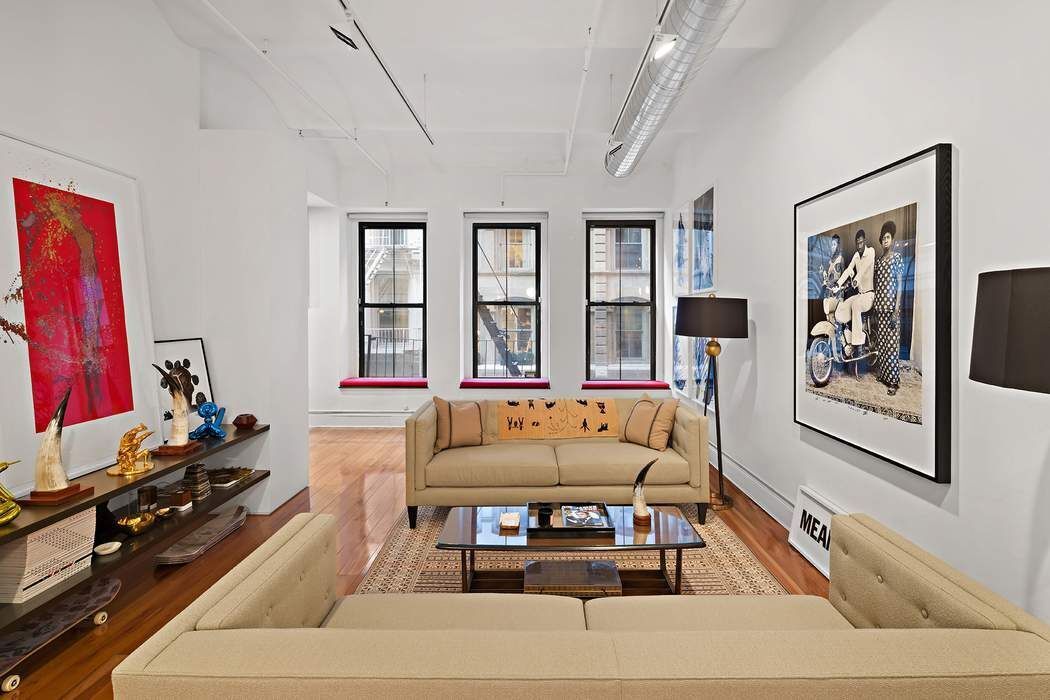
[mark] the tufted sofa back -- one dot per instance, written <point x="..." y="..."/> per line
<point x="293" y="587"/>
<point x="880" y="579"/>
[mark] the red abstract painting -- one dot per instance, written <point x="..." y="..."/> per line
<point x="74" y="303"/>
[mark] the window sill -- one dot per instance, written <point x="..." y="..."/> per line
<point x="505" y="383"/>
<point x="384" y="383"/>
<point x="625" y="384"/>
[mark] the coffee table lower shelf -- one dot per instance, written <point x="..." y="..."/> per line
<point x="660" y="581"/>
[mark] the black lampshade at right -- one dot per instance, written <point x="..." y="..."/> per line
<point x="711" y="317"/>
<point x="1011" y="329"/>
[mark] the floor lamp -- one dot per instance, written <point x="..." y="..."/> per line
<point x="713" y="317"/>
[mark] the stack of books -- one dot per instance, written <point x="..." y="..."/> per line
<point x="196" y="480"/>
<point x="225" y="478"/>
<point x="30" y="565"/>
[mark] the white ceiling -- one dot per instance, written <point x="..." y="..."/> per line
<point x="501" y="75"/>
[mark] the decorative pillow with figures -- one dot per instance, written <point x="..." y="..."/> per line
<point x="552" y="419"/>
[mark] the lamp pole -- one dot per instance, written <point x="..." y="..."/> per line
<point x="713" y="350"/>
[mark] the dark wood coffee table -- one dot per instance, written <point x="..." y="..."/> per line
<point x="472" y="529"/>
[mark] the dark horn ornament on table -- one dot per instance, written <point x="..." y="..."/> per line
<point x="642" y="518"/>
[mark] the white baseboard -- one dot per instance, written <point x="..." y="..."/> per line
<point x="358" y="419"/>
<point x="776" y="504"/>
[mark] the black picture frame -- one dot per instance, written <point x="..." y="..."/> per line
<point x="209" y="393"/>
<point x="944" y="376"/>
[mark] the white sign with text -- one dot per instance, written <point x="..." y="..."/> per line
<point x="810" y="531"/>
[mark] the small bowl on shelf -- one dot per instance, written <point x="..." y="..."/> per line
<point x="136" y="524"/>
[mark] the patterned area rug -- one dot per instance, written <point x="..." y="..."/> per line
<point x="410" y="563"/>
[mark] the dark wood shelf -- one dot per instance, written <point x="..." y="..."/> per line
<point x="33" y="518"/>
<point x="164" y="533"/>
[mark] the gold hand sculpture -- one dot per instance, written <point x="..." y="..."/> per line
<point x="9" y="510"/>
<point x="131" y="458"/>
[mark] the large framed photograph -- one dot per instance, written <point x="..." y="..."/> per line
<point x="74" y="309"/>
<point x="873" y="309"/>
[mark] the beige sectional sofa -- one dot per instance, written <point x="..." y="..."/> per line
<point x="899" y="623"/>
<point x="500" y="472"/>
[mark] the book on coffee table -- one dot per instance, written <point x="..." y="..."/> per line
<point x="588" y="515"/>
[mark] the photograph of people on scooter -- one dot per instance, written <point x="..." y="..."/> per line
<point x="864" y="344"/>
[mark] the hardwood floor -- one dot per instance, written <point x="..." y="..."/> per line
<point x="356" y="475"/>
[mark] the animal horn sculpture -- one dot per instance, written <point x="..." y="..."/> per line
<point x="641" y="512"/>
<point x="50" y="472"/>
<point x="179" y="383"/>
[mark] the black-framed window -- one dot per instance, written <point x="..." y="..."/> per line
<point x="621" y="306"/>
<point x="392" y="299"/>
<point x="506" y="301"/>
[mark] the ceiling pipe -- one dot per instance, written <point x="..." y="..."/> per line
<point x="695" y="27"/>
<point x="291" y="81"/>
<point x="349" y="13"/>
<point x="570" y="137"/>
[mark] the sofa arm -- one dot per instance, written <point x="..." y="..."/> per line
<point x="301" y="528"/>
<point x="342" y="663"/>
<point x="420" y="436"/>
<point x="689" y="439"/>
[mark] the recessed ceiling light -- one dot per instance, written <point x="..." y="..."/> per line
<point x="663" y="43"/>
<point x="343" y="38"/>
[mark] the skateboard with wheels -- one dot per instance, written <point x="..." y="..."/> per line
<point x="41" y="628"/>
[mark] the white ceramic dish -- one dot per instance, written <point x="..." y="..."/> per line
<point x="107" y="548"/>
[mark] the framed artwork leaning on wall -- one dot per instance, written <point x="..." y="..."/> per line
<point x="873" y="310"/>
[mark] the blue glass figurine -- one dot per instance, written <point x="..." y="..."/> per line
<point x="212" y="416"/>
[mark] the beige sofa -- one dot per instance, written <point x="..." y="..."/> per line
<point x="899" y="623"/>
<point x="501" y="472"/>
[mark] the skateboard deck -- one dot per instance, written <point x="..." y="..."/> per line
<point x="202" y="539"/>
<point x="59" y="617"/>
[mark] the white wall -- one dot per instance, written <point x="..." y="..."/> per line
<point x="74" y="79"/>
<point x="253" y="206"/>
<point x="444" y="198"/>
<point x="109" y="82"/>
<point x="865" y="84"/>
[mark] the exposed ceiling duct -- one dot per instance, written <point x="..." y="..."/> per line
<point x="687" y="32"/>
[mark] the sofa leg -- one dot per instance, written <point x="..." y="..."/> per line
<point x="412" y="510"/>
<point x="701" y="513"/>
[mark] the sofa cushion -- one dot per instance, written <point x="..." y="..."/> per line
<point x="455" y="611"/>
<point x="502" y="464"/>
<point x="650" y="423"/>
<point x="713" y="612"/>
<point x="458" y="424"/>
<point x="604" y="463"/>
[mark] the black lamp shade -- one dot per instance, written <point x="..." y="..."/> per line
<point x="711" y="317"/>
<point x="1011" y="329"/>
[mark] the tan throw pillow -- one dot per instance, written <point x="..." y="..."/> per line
<point x="650" y="423"/>
<point x="458" y="424"/>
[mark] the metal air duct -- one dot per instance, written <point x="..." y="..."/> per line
<point x="695" y="27"/>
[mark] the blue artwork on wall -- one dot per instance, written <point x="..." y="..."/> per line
<point x="704" y="242"/>
<point x="681" y="357"/>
